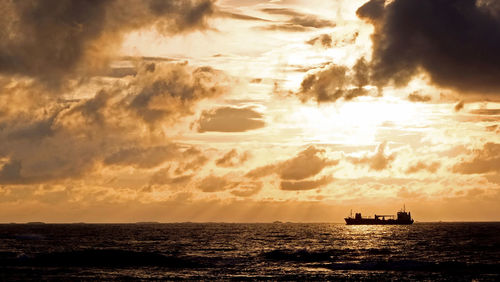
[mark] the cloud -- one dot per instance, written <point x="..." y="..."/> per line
<point x="48" y="140"/>
<point x="493" y="128"/>
<point x="93" y="109"/>
<point x="282" y="12"/>
<point x="38" y="170"/>
<point x="484" y="160"/>
<point x="486" y="112"/>
<point x="247" y="189"/>
<point x="378" y="161"/>
<point x="420" y="166"/>
<point x="263" y="171"/>
<point x="459" y="106"/>
<point x="409" y="194"/>
<point x="54" y="40"/>
<point x="237" y="16"/>
<point x="456" y="42"/>
<point x="286" y="27"/>
<point x="215" y="184"/>
<point x="143" y="157"/>
<point x="193" y="159"/>
<point x="232" y="158"/>
<point x="230" y="119"/>
<point x="170" y="92"/>
<point x="305" y="184"/>
<point x="339" y="38"/>
<point x="335" y="82"/>
<point x="324" y="40"/>
<point x="307" y="163"/>
<point x="256" y="80"/>
<point x="164" y="177"/>
<point x="416" y="97"/>
<point x="297" y="21"/>
<point x="11" y="173"/>
<point x="296" y="173"/>
<point x="158" y="95"/>
<point x="41" y="128"/>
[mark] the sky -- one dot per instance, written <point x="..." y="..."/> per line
<point x="249" y="110"/>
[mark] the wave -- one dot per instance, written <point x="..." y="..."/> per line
<point x="301" y="255"/>
<point x="321" y="255"/>
<point x="104" y="258"/>
<point x="341" y="259"/>
<point x="412" y="265"/>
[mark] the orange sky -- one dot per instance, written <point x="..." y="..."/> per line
<point x="249" y="111"/>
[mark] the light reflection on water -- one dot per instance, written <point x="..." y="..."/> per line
<point x="213" y="251"/>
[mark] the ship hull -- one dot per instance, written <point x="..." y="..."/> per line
<point x="371" y="221"/>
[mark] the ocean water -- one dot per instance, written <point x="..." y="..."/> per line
<point x="278" y="251"/>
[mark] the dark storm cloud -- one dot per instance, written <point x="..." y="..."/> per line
<point x="297" y="21"/>
<point x="455" y="41"/>
<point x="305" y="184"/>
<point x="230" y="119"/>
<point x="484" y="160"/>
<point x="54" y="39"/>
<point x="335" y="82"/>
<point x="417" y="97"/>
<point x="377" y="161"/>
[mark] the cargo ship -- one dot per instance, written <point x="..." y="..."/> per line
<point x="402" y="218"/>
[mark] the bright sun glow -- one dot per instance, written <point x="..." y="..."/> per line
<point x="354" y="123"/>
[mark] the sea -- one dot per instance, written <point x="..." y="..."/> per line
<point x="259" y="251"/>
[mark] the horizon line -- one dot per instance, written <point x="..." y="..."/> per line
<point x="229" y="222"/>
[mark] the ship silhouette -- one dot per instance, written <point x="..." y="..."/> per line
<point x="402" y="218"/>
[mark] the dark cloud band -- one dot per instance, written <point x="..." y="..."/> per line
<point x="455" y="41"/>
